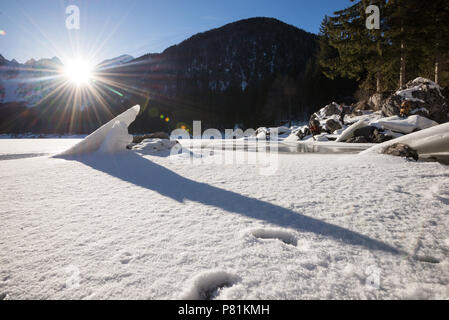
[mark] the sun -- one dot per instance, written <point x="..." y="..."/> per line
<point x="79" y="72"/>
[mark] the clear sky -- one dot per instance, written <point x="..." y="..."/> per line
<point x="109" y="28"/>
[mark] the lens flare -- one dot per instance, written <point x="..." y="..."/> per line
<point x="78" y="71"/>
<point x="2" y="33"/>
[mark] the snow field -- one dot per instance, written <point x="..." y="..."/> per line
<point x="128" y="226"/>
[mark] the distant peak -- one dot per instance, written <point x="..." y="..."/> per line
<point x="30" y="62"/>
<point x="124" y="58"/>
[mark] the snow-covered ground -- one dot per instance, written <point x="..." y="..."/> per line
<point x="135" y="225"/>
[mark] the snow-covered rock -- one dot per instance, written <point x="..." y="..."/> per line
<point x="111" y="137"/>
<point x="422" y="94"/>
<point x="151" y="146"/>
<point x="332" y="125"/>
<point x="328" y="111"/>
<point x="376" y="100"/>
<point x="401" y="150"/>
<point x="349" y="132"/>
<point x="155" y="135"/>
<point x="431" y="140"/>
<point x="403" y="125"/>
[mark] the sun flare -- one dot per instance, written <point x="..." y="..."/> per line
<point x="78" y="72"/>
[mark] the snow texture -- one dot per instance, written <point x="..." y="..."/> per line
<point x="208" y="285"/>
<point x="132" y="226"/>
<point x="110" y="138"/>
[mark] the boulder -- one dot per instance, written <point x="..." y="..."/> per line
<point x="425" y="97"/>
<point x="328" y="111"/>
<point x="376" y="101"/>
<point x="403" y="125"/>
<point x="152" y="146"/>
<point x="155" y="135"/>
<point x="359" y="139"/>
<point x="369" y="134"/>
<point x="304" y="132"/>
<point x="332" y="125"/>
<point x="360" y="107"/>
<point x="381" y="137"/>
<point x="349" y="132"/>
<point x="401" y="150"/>
<point x="365" y="132"/>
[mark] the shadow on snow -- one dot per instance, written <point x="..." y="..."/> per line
<point x="142" y="172"/>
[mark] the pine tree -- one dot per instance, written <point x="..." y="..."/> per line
<point x="349" y="49"/>
<point x="435" y="34"/>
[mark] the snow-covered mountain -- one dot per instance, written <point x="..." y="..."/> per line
<point x="27" y="83"/>
<point x="123" y="59"/>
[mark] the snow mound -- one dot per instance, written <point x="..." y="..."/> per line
<point x="117" y="139"/>
<point x="407" y="125"/>
<point x="207" y="285"/>
<point x="427" y="141"/>
<point x="284" y="236"/>
<point x="109" y="138"/>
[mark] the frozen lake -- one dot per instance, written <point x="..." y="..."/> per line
<point x="136" y="226"/>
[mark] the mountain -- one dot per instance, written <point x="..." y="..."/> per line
<point x="221" y="76"/>
<point x="253" y="72"/>
<point x="115" y="62"/>
<point x="243" y="52"/>
<point x="26" y="83"/>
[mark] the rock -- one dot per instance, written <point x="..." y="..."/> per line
<point x="332" y="125"/>
<point x="349" y="132"/>
<point x="152" y="146"/>
<point x="359" y="139"/>
<point x="425" y="97"/>
<point x="370" y="134"/>
<point x="381" y="137"/>
<point x="360" y="107"/>
<point x="392" y="106"/>
<point x="365" y="132"/>
<point x="328" y="111"/>
<point x="376" y="101"/>
<point x="303" y="133"/>
<point x="403" y="125"/>
<point x="155" y="135"/>
<point x="401" y="150"/>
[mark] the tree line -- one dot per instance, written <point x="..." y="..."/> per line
<point x="413" y="40"/>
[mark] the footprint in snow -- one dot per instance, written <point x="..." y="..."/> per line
<point x="208" y="285"/>
<point x="277" y="234"/>
<point x="125" y="257"/>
